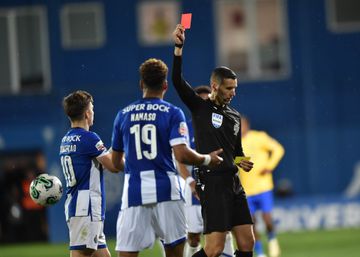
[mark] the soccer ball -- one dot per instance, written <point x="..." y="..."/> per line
<point x="46" y="189"/>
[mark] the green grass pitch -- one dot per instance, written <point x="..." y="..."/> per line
<point x="332" y="243"/>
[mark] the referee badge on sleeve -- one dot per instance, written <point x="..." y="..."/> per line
<point x="216" y="120"/>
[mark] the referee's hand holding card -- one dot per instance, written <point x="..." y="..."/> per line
<point x="244" y="163"/>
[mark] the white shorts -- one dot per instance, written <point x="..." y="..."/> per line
<point x="85" y="233"/>
<point x="138" y="227"/>
<point x="194" y="219"/>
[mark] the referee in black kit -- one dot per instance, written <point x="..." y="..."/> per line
<point x="217" y="125"/>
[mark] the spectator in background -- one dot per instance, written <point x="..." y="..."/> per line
<point x="21" y="219"/>
<point x="192" y="204"/>
<point x="266" y="153"/>
<point x="11" y="211"/>
<point x="146" y="133"/>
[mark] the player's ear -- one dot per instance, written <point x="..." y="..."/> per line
<point x="165" y="85"/>
<point x="87" y="114"/>
<point x="141" y="84"/>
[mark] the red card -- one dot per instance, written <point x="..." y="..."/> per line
<point x="186" y="20"/>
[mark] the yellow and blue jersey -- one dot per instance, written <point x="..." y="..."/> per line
<point x="265" y="153"/>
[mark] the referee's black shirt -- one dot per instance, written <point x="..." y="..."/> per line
<point x="214" y="126"/>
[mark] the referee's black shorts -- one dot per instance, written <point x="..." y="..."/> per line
<point x="223" y="203"/>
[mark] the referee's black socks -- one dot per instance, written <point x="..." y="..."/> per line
<point x="200" y="253"/>
<point x="243" y="254"/>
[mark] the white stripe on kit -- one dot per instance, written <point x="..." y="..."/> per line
<point x="148" y="186"/>
<point x="82" y="203"/>
<point x="95" y="193"/>
<point x="125" y="195"/>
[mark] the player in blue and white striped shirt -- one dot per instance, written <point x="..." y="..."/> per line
<point x="82" y="155"/>
<point x="146" y="133"/>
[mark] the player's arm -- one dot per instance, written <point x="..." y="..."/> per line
<point x="106" y="161"/>
<point x="118" y="159"/>
<point x="98" y="150"/>
<point x="189" y="180"/>
<point x="276" y="151"/>
<point x="183" y="170"/>
<point x="244" y="164"/>
<point x="185" y="91"/>
<point x="186" y="155"/>
<point x="117" y="146"/>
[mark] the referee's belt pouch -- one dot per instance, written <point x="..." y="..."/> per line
<point x="198" y="175"/>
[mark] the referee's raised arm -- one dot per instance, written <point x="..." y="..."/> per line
<point x="185" y="91"/>
<point x="179" y="39"/>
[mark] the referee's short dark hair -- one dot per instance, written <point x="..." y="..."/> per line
<point x="221" y="73"/>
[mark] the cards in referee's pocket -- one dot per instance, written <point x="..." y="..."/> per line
<point x="238" y="159"/>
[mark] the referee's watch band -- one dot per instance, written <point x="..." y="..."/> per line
<point x="207" y="160"/>
<point x="179" y="45"/>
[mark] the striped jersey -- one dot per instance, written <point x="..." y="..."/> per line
<point x="83" y="174"/>
<point x="191" y="199"/>
<point x="146" y="131"/>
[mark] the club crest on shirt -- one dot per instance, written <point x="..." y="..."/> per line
<point x="216" y="120"/>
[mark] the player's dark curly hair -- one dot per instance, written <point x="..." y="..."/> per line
<point x="221" y="73"/>
<point x="203" y="89"/>
<point x="76" y="103"/>
<point x="153" y="73"/>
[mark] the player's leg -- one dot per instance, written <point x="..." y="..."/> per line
<point x="80" y="245"/>
<point x="267" y="204"/>
<point x="254" y="206"/>
<point x="82" y="253"/>
<point x="134" y="232"/>
<point x="104" y="252"/>
<point x="176" y="250"/>
<point x="195" y="228"/>
<point x="127" y="254"/>
<point x="169" y="224"/>
<point x="273" y="243"/>
<point x="162" y="248"/>
<point x="192" y="244"/>
<point x="258" y="248"/>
